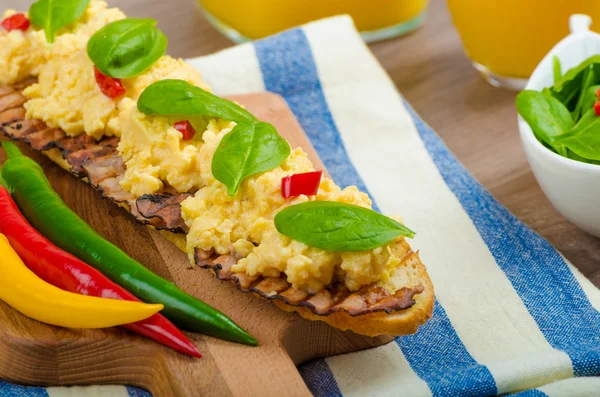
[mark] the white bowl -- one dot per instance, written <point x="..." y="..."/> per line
<point x="573" y="187"/>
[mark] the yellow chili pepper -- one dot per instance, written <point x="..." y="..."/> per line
<point x="30" y="295"/>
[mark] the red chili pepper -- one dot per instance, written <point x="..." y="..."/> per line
<point x="598" y="93"/>
<point x="17" y="21"/>
<point x="297" y="184"/>
<point x="597" y="108"/>
<point x="186" y="129"/>
<point x="67" y="272"/>
<point x="109" y="86"/>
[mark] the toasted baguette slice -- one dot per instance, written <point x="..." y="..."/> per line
<point x="371" y="311"/>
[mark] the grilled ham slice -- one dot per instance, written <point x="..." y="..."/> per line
<point x="372" y="310"/>
<point x="369" y="299"/>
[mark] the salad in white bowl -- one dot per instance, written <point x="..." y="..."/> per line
<point x="560" y="125"/>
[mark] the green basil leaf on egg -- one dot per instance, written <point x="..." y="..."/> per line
<point x="334" y="226"/>
<point x="178" y="97"/>
<point x="52" y="15"/>
<point x="126" y="48"/>
<point x="251" y="147"/>
<point x="246" y="150"/>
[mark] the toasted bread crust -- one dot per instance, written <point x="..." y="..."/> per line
<point x="370" y="323"/>
<point x="402" y="322"/>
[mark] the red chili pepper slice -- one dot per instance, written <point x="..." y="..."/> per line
<point x="297" y="184"/>
<point x="597" y="108"/>
<point x="67" y="272"/>
<point x="186" y="129"/>
<point x="109" y="86"/>
<point x="17" y="21"/>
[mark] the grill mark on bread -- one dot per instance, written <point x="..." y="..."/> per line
<point x="371" y="298"/>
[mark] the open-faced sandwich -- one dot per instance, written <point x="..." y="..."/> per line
<point x="98" y="96"/>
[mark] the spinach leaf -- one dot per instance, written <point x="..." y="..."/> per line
<point x="584" y="138"/>
<point x="589" y="98"/>
<point x="556" y="69"/>
<point x="246" y="150"/>
<point x="572" y="73"/>
<point x="52" y="15"/>
<point x="126" y="48"/>
<point x="589" y="80"/>
<point x="546" y="115"/>
<point x="568" y="88"/>
<point x="178" y="97"/>
<point x="574" y="156"/>
<point x="334" y="226"/>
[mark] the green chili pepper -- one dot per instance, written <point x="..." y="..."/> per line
<point x="48" y="213"/>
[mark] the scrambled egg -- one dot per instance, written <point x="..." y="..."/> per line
<point x="67" y="96"/>
<point x="244" y="225"/>
<point x="21" y="53"/>
<point x="154" y="152"/>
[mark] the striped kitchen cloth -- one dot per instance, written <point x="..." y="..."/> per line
<point x="512" y="316"/>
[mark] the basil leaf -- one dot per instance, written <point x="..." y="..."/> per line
<point x="52" y="15"/>
<point x="126" y="48"/>
<point x="584" y="138"/>
<point x="249" y="148"/>
<point x="546" y="115"/>
<point x="556" y="69"/>
<point x="178" y="97"/>
<point x="334" y="226"/>
<point x="246" y="150"/>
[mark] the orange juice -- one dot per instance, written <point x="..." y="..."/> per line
<point x="259" y="18"/>
<point x="510" y="37"/>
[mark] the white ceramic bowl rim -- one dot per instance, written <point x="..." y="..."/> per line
<point x="580" y="27"/>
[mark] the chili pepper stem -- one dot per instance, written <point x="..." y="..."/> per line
<point x="2" y="181"/>
<point x="12" y="151"/>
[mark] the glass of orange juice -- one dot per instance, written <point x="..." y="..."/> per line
<point x="243" y="20"/>
<point x="506" y="39"/>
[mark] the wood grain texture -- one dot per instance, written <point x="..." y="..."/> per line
<point x="478" y="122"/>
<point x="34" y="353"/>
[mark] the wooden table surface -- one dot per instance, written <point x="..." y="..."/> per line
<point x="477" y="121"/>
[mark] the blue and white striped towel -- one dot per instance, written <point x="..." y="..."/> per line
<point x="512" y="316"/>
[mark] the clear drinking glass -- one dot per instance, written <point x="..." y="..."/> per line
<point x="506" y="39"/>
<point x="243" y="20"/>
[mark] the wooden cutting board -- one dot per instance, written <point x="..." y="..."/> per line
<point x="38" y="354"/>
